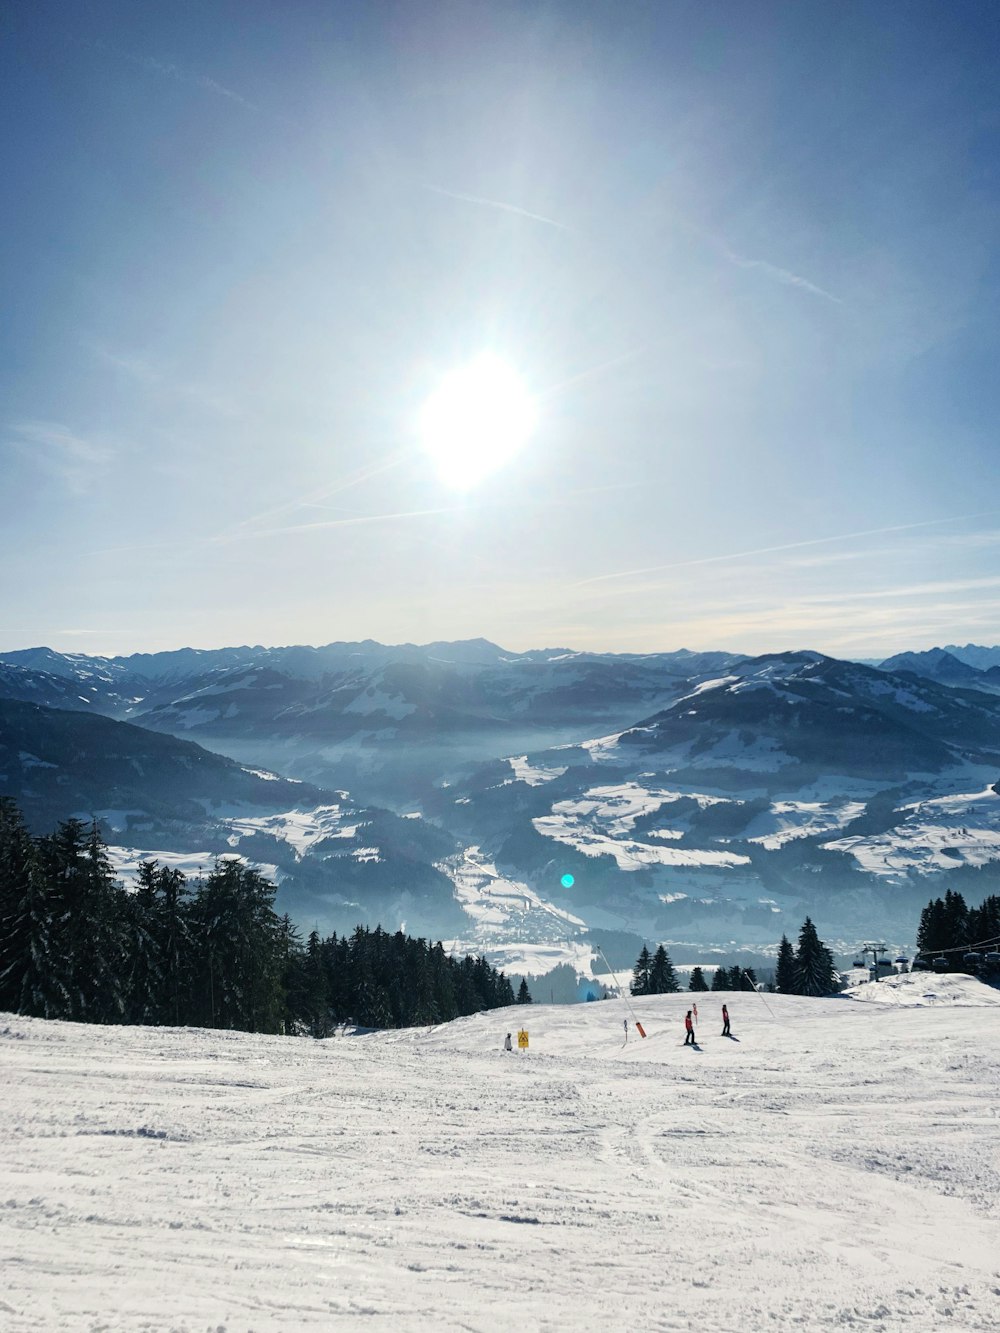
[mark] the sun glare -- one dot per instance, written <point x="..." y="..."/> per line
<point x="478" y="418"/>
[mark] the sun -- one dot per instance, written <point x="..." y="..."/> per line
<point x="479" y="416"/>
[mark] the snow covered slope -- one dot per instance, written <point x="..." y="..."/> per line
<point x="833" y="1167"/>
<point x="794" y="784"/>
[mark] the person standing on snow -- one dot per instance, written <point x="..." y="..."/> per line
<point x="689" y="1028"/>
<point x="694" y="1010"/>
<point x="625" y="1021"/>
<point x="507" y="1043"/>
<point x="725" y="1022"/>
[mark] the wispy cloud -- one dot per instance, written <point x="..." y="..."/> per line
<point x="61" y="452"/>
<point x="782" y="275"/>
<point x="79" y="633"/>
<point x="496" y="203"/>
<point x="785" y="546"/>
<point x="152" y="376"/>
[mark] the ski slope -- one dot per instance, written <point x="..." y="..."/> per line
<point x="835" y="1167"/>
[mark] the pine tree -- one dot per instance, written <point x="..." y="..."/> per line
<point x="720" y="979"/>
<point x="945" y="929"/>
<point x="315" y="989"/>
<point x="239" y="950"/>
<point x="523" y="994"/>
<point x="145" y="974"/>
<point x="784" y="971"/>
<point x="176" y="956"/>
<point x="292" y="965"/>
<point x="697" y="981"/>
<point x="984" y="923"/>
<point x="87" y="944"/>
<point x="815" y="973"/>
<point x="640" y="973"/>
<point x="29" y="980"/>
<point x="441" y="972"/>
<point x="662" y="978"/>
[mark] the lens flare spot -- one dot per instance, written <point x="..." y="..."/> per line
<point x="567" y="881"/>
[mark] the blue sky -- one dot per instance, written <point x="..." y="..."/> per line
<point x="743" y="257"/>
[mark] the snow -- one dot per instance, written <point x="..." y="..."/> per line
<point x="932" y="835"/>
<point x="511" y="922"/>
<point x="301" y="829"/>
<point x="29" y="760"/>
<point x="374" y="700"/>
<point x="596" y="823"/>
<point x="787" y="820"/>
<point x="533" y="774"/>
<point x="125" y="862"/>
<point x="762" y="754"/>
<point x="833" y="1168"/>
<point x="919" y="989"/>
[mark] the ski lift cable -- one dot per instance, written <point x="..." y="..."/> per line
<point x="958" y="948"/>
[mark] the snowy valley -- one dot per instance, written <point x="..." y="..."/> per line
<point x="530" y="806"/>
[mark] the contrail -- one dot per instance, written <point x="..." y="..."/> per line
<point x="496" y="203"/>
<point x="780" y="275"/>
<point x="227" y="539"/>
<point x="168" y="70"/>
<point x="601" y="366"/>
<point x="347" y="483"/>
<point x="787" y="546"/>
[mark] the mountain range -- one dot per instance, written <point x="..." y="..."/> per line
<point x="531" y="804"/>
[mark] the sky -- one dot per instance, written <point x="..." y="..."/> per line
<point x="739" y="261"/>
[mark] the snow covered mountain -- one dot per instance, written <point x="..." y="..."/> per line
<point x="751" y="792"/>
<point x="386" y="721"/>
<point x="795" y="783"/>
<point x="335" y="862"/>
<point x="948" y="668"/>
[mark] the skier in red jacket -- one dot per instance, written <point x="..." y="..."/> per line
<point x="689" y="1027"/>
<point x="725" y="1022"/>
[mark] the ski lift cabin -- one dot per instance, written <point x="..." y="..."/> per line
<point x="972" y="960"/>
<point x="902" y="962"/>
<point x="921" y="965"/>
<point x="941" y="964"/>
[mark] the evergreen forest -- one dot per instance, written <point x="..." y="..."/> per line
<point x="806" y="970"/>
<point x="212" y="952"/>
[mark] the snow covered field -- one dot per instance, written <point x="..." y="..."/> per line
<point x="837" y="1166"/>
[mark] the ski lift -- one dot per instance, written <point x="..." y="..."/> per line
<point x="971" y="959"/>
<point x="859" y="962"/>
<point x="901" y="961"/>
<point x="992" y="959"/>
<point x="941" y="964"/>
<point x="921" y="965"/>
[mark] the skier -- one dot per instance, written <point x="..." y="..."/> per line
<point x="725" y="1022"/>
<point x="625" y="1021"/>
<point x="694" y="1010"/>
<point x="507" y="1043"/>
<point x="689" y="1028"/>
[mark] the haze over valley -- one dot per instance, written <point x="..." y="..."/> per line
<point x="454" y="790"/>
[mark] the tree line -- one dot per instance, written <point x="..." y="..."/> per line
<point x="949" y="927"/>
<point x="806" y="970"/>
<point x="212" y="952"/>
